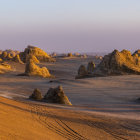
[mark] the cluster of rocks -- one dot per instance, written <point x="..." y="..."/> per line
<point x="53" y="95"/>
<point x="85" y="72"/>
<point x="115" y="63"/>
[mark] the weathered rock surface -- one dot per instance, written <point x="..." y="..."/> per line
<point x="32" y="69"/>
<point x="32" y="57"/>
<point x="118" y="63"/>
<point x="90" y="67"/>
<point x="82" y="71"/>
<point x="36" y="95"/>
<point x="57" y="95"/>
<point x="41" y="55"/>
<point x="17" y="59"/>
<point x="5" y="68"/>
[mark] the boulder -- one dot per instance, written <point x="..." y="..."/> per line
<point x="57" y="95"/>
<point x="36" y="95"/>
<point x="32" y="69"/>
<point x="41" y="55"/>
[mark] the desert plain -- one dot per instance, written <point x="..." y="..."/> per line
<point x="103" y="108"/>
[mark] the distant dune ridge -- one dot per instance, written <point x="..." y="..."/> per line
<point x="117" y="63"/>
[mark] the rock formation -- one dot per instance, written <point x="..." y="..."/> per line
<point x="57" y="95"/>
<point x="32" y="57"/>
<point x="82" y="71"/>
<point x="37" y="52"/>
<point x="36" y="95"/>
<point x="70" y="55"/>
<point x="32" y="69"/>
<point x="118" y="63"/>
<point x="17" y="59"/>
<point x="90" y="67"/>
<point x="115" y="63"/>
<point x="4" y="68"/>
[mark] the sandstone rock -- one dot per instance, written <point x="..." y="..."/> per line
<point x="57" y="95"/>
<point x="17" y="59"/>
<point x="4" y="55"/>
<point x="32" y="69"/>
<point x="118" y="63"/>
<point x="82" y="71"/>
<point x="90" y="67"/>
<point x="33" y="58"/>
<point x="5" y="68"/>
<point x="36" y="95"/>
<point x="37" y="52"/>
<point x="70" y="55"/>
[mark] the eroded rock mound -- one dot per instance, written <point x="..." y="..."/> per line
<point x="41" y="55"/>
<point x="82" y="71"/>
<point x="33" y="58"/>
<point x="90" y="67"/>
<point x="118" y="63"/>
<point x="32" y="69"/>
<point x="5" y="68"/>
<point x="36" y="95"/>
<point x="57" y="95"/>
<point x="17" y="59"/>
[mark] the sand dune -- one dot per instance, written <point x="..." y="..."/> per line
<point x="34" y="121"/>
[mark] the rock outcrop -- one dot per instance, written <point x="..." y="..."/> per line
<point x="82" y="71"/>
<point x="57" y="95"/>
<point x="32" y="69"/>
<point x="36" y="95"/>
<point x="90" y="67"/>
<point x="17" y="59"/>
<point x="37" y="52"/>
<point x="115" y="63"/>
<point x="70" y="55"/>
<point x="5" y="68"/>
<point x="33" y="58"/>
<point x="118" y="63"/>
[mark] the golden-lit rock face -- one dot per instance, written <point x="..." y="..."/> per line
<point x="17" y="59"/>
<point x="37" y="52"/>
<point x="32" y="69"/>
<point x="4" y="68"/>
<point x="57" y="95"/>
<point x="119" y="63"/>
<point x="32" y="57"/>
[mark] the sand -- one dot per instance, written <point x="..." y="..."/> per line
<point x="103" y="107"/>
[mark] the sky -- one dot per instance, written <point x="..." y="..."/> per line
<point x="70" y="25"/>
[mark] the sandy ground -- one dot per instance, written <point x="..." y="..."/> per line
<point x="103" y="107"/>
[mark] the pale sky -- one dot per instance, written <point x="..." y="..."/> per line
<point x="70" y="25"/>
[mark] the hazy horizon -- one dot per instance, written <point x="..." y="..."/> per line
<point x="70" y="26"/>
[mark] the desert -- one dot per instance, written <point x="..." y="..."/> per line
<point x="106" y="107"/>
